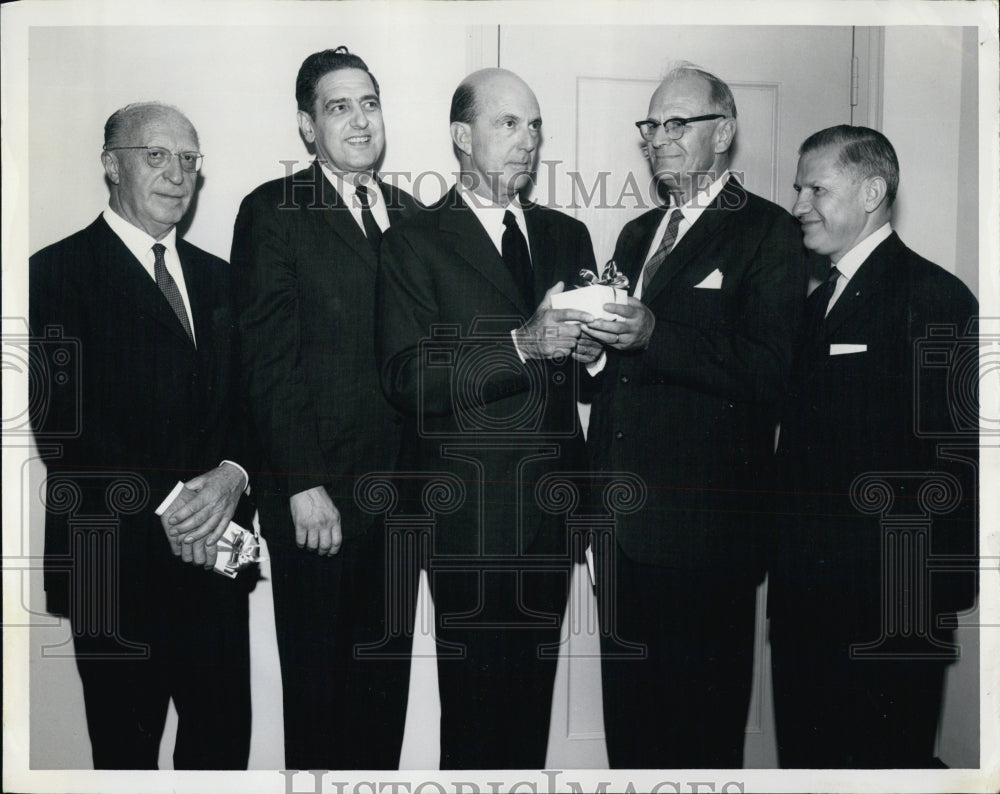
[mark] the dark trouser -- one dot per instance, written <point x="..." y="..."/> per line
<point x="199" y="655"/>
<point x="345" y="631"/>
<point x="497" y="645"/>
<point x="683" y="701"/>
<point x="832" y="711"/>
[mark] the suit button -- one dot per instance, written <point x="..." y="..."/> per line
<point x="397" y="420"/>
<point x="619" y="434"/>
<point x="624" y="378"/>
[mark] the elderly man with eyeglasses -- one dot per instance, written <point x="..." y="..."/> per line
<point x="695" y="362"/>
<point x="137" y="354"/>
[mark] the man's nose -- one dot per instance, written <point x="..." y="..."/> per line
<point x="529" y="139"/>
<point x="359" y="118"/>
<point x="801" y="205"/>
<point x="173" y="171"/>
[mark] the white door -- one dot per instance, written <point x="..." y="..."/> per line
<point x="592" y="83"/>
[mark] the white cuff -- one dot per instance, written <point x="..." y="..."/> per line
<point x="594" y="368"/>
<point x="246" y="477"/>
<point x="520" y="355"/>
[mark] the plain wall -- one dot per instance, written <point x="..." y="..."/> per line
<point x="930" y="113"/>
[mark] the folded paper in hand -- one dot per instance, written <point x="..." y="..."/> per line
<point x="238" y="548"/>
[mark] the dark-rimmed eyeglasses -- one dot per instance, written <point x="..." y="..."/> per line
<point x="674" y="128"/>
<point x="158" y="157"/>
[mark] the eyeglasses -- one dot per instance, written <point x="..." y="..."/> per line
<point x="674" y="128"/>
<point x="158" y="157"/>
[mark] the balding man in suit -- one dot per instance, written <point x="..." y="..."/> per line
<point x="158" y="402"/>
<point x="474" y="355"/>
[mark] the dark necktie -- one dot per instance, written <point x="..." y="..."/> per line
<point x="372" y="230"/>
<point x="817" y="304"/>
<point x="515" y="255"/>
<point x="169" y="289"/>
<point x="663" y="249"/>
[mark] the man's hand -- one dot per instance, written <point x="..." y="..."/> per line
<point x="631" y="332"/>
<point x="551" y="332"/>
<point x="317" y="521"/>
<point x="588" y="349"/>
<point x="196" y="519"/>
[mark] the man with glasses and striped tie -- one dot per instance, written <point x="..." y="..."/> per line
<point x="695" y="363"/>
<point x="156" y="402"/>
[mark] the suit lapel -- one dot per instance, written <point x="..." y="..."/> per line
<point x="686" y="253"/>
<point x="635" y="247"/>
<point x="543" y="251"/>
<point x="125" y="274"/>
<point x="871" y="280"/>
<point x="338" y="218"/>
<point x="474" y="245"/>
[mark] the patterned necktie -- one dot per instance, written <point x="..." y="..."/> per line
<point x="372" y="230"/>
<point x="515" y="255"/>
<point x="663" y="250"/>
<point x="169" y="289"/>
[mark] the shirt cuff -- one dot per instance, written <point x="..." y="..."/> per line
<point x="594" y="368"/>
<point x="246" y="477"/>
<point x="520" y="355"/>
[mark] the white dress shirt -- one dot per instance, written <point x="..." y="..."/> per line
<point x="851" y="261"/>
<point x="348" y="192"/>
<point x="491" y="216"/>
<point x="140" y="244"/>
<point x="691" y="210"/>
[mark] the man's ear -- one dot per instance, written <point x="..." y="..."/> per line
<point x="110" y="163"/>
<point x="724" y="135"/>
<point x="461" y="136"/>
<point x="874" y="190"/>
<point x="306" y="126"/>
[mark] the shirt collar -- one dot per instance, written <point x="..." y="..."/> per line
<point x="700" y="201"/>
<point x="491" y="215"/>
<point x="136" y="240"/>
<point x="855" y="258"/>
<point x="347" y="188"/>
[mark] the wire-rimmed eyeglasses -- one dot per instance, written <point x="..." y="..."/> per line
<point x="158" y="157"/>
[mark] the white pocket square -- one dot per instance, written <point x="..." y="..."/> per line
<point x="843" y="350"/>
<point x="712" y="281"/>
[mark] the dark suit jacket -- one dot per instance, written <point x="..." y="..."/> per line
<point x="884" y="410"/>
<point x="306" y="280"/>
<point x="446" y="305"/>
<point x="693" y="414"/>
<point x="151" y="408"/>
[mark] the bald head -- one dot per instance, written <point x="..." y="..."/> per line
<point x="122" y="125"/>
<point x="496" y="127"/>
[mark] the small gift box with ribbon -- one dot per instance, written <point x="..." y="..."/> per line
<point x="238" y="548"/>
<point x="593" y="291"/>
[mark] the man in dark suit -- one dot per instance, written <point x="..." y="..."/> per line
<point x="472" y="351"/>
<point x="305" y="249"/>
<point x="153" y="322"/>
<point x="873" y="499"/>
<point x="695" y="363"/>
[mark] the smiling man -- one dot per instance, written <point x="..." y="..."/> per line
<point x="859" y="633"/>
<point x="306" y="251"/>
<point x="157" y="402"/>
<point x="473" y="353"/>
<point x="696" y="362"/>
